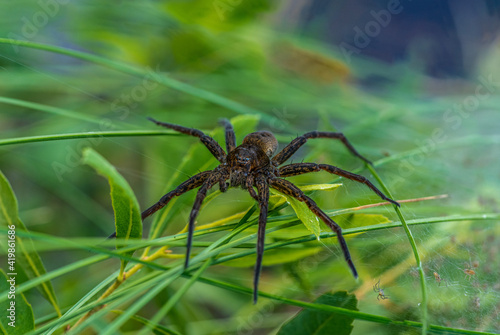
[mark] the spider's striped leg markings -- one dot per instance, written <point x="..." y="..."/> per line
<point x="212" y="179"/>
<point x="290" y="189"/>
<point x="263" y="190"/>
<point x="191" y="183"/>
<point x="301" y="168"/>
<point x="249" y="186"/>
<point x="211" y="144"/>
<point x="293" y="146"/>
<point x="230" y="136"/>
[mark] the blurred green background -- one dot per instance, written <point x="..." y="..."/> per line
<point x="428" y="118"/>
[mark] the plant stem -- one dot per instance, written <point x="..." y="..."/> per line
<point x="157" y="77"/>
<point x="122" y="276"/>
<point x="413" y="244"/>
<point x="73" y="136"/>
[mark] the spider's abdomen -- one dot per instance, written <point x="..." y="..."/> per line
<point x="265" y="140"/>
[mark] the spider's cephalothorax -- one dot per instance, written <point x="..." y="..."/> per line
<point x="250" y="158"/>
<point x="252" y="164"/>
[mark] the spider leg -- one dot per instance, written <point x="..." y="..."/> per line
<point x="230" y="136"/>
<point x="249" y="186"/>
<point x="212" y="145"/>
<point x="191" y="183"/>
<point x="301" y="168"/>
<point x="263" y="190"/>
<point x="290" y="189"/>
<point x="293" y="146"/>
<point x="200" y="196"/>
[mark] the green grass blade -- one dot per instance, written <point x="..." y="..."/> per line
<point x="176" y="297"/>
<point x="157" y="329"/>
<point x="70" y="312"/>
<point x="169" y="277"/>
<point x="411" y="239"/>
<point x="73" y="136"/>
<point x="50" y="109"/>
<point x="137" y="72"/>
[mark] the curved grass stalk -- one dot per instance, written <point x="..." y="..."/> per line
<point x="49" y="109"/>
<point x="141" y="73"/>
<point x="74" y="136"/>
<point x="413" y="244"/>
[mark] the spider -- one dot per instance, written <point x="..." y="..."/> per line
<point x="469" y="273"/>
<point x="439" y="279"/>
<point x="252" y="164"/>
<point x="377" y="289"/>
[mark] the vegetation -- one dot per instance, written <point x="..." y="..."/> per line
<point x="76" y="92"/>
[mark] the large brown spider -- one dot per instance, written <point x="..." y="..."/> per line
<point x="252" y="164"/>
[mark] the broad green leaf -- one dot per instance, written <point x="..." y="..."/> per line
<point x="25" y="253"/>
<point x="17" y="315"/>
<point x="323" y="323"/>
<point x="128" y="223"/>
<point x="303" y="212"/>
<point x="275" y="256"/>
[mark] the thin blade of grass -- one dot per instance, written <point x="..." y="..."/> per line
<point x="161" y="79"/>
<point x="411" y="239"/>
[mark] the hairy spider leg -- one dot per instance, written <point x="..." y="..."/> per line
<point x="293" y="146"/>
<point x="212" y="145"/>
<point x="263" y="194"/>
<point x="290" y="189"/>
<point x="230" y="136"/>
<point x="249" y="185"/>
<point x="301" y="168"/>
<point x="193" y="182"/>
<point x="212" y="179"/>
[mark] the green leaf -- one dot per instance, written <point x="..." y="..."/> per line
<point x="275" y="256"/>
<point x="25" y="252"/>
<point x="308" y="218"/>
<point x="128" y="223"/>
<point x="17" y="315"/>
<point x="323" y="323"/>
<point x="320" y="187"/>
